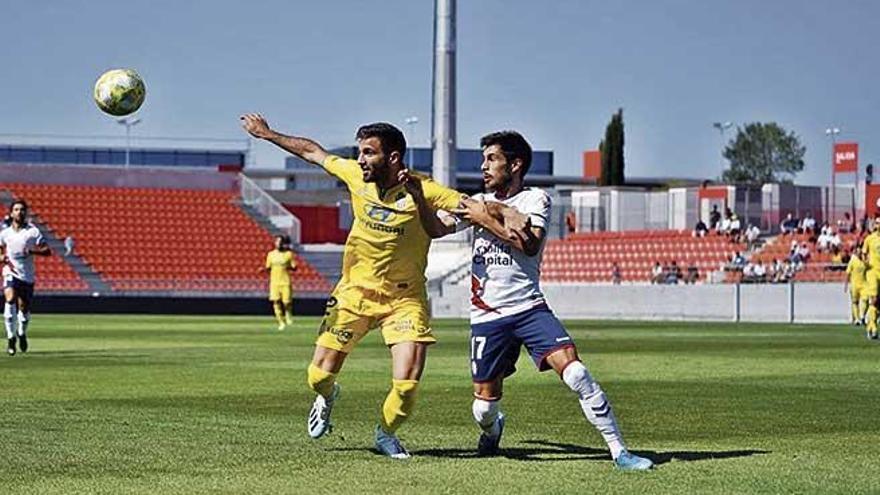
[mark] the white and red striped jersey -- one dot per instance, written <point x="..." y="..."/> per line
<point x="504" y="280"/>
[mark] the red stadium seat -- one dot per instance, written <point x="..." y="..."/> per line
<point x="158" y="239"/>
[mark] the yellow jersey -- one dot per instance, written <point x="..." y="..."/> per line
<point x="278" y="262"/>
<point x="856" y="270"/>
<point x="871" y="247"/>
<point x="387" y="248"/>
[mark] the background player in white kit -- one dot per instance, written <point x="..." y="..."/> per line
<point x="508" y="309"/>
<point x="19" y="243"/>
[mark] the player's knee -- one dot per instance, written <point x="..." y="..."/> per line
<point x="579" y="380"/>
<point x="485" y="411"/>
<point x="10" y="309"/>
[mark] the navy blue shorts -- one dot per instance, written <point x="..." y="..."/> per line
<point x="495" y="344"/>
<point x="22" y="289"/>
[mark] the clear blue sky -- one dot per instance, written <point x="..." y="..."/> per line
<point x="555" y="70"/>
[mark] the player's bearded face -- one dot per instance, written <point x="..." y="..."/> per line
<point x="496" y="169"/>
<point x="18" y="213"/>
<point x="373" y="161"/>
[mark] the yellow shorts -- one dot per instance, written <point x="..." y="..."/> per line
<point x="280" y="292"/>
<point x="353" y="311"/>
<point x="857" y="293"/>
<point x="869" y="290"/>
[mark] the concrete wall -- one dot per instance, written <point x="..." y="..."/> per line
<point x="813" y="303"/>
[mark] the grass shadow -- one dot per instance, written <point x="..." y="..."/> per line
<point x="543" y="451"/>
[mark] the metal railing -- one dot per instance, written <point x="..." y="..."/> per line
<point x="255" y="197"/>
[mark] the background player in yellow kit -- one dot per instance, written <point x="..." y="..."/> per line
<point x="855" y="284"/>
<point x="383" y="273"/>
<point x="871" y="250"/>
<point x="279" y="263"/>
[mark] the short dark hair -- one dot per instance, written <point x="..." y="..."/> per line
<point x="513" y="145"/>
<point x="390" y="137"/>
<point x="285" y="239"/>
<point x="21" y="202"/>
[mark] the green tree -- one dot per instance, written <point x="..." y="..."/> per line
<point x="761" y="153"/>
<point x="611" y="149"/>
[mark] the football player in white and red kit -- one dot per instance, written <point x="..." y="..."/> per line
<point x="508" y="309"/>
<point x="19" y="243"/>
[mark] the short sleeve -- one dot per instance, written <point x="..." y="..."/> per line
<point x="344" y="169"/>
<point x="441" y="197"/>
<point x="269" y="260"/>
<point x="39" y="240"/>
<point x="292" y="261"/>
<point x="537" y="208"/>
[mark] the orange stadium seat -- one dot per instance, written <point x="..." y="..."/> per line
<point x="589" y="257"/>
<point x="142" y="239"/>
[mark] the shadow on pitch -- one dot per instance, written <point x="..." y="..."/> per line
<point x="543" y="451"/>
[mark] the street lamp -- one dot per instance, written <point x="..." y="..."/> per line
<point x="411" y="122"/>
<point x="832" y="132"/>
<point x="128" y="123"/>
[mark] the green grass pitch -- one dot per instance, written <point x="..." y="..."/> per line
<point x="147" y="404"/>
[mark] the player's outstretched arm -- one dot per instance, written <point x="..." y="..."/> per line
<point x="434" y="226"/>
<point x="305" y="148"/>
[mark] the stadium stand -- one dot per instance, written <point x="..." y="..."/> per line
<point x="588" y="257"/>
<point x="56" y="275"/>
<point x="153" y="239"/>
<point x="818" y="267"/>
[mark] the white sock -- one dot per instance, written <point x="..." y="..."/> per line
<point x="595" y="405"/>
<point x="485" y="414"/>
<point x="9" y="311"/>
<point x="23" y="320"/>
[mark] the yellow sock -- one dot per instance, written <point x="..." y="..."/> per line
<point x="399" y="404"/>
<point x="288" y="313"/>
<point x="279" y="313"/>
<point x="855" y="311"/>
<point x="321" y="381"/>
<point x="863" y="308"/>
<point x="872" y="318"/>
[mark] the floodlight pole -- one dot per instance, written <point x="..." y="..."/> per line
<point x="411" y="123"/>
<point x="832" y="132"/>
<point x="128" y="123"/>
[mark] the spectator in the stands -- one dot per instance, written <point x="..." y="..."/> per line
<point x="657" y="275"/>
<point x="760" y="272"/>
<point x="693" y="273"/>
<point x="737" y="261"/>
<point x="735" y="227"/>
<point x="787" y="273"/>
<point x="845" y="224"/>
<point x="674" y="273"/>
<point x="68" y="246"/>
<point x="615" y="274"/>
<point x="773" y="270"/>
<point x="571" y="222"/>
<point x="700" y="230"/>
<point x="788" y="225"/>
<point x="714" y="218"/>
<point x="837" y="261"/>
<point x="808" y="224"/>
<point x="800" y="256"/>
<point x="865" y="225"/>
<point x="752" y="235"/>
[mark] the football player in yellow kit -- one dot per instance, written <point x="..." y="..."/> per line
<point x="871" y="250"/>
<point x="279" y="263"/>
<point x="383" y="273"/>
<point x="854" y="285"/>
